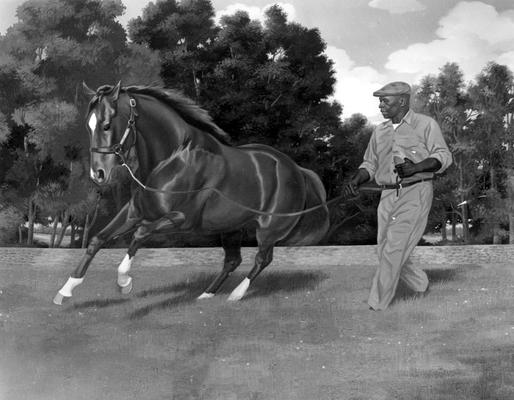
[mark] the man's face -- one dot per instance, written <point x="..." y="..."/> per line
<point x="390" y="106"/>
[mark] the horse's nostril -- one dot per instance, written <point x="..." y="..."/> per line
<point x="107" y="126"/>
<point x="100" y="175"/>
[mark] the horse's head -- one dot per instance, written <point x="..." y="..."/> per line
<point x="109" y="120"/>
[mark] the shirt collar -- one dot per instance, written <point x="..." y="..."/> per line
<point x="408" y="117"/>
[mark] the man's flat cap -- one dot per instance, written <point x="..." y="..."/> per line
<point x="393" y="89"/>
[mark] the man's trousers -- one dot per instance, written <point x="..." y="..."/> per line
<point x="402" y="220"/>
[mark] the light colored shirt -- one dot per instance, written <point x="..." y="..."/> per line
<point x="417" y="138"/>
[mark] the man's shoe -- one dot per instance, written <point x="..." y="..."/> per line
<point x="420" y="295"/>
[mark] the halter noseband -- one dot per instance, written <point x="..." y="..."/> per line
<point x="118" y="147"/>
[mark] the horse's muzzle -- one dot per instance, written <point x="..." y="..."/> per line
<point x="98" y="176"/>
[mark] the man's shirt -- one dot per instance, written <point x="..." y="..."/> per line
<point x="417" y="138"/>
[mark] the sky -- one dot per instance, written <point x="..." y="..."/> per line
<point x="373" y="42"/>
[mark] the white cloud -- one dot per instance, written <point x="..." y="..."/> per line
<point x="355" y="85"/>
<point x="472" y="34"/>
<point x="468" y="19"/>
<point x="397" y="6"/>
<point x="256" y="12"/>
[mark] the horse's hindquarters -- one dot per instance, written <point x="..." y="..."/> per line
<point x="313" y="225"/>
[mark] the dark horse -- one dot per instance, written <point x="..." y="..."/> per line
<point x="192" y="180"/>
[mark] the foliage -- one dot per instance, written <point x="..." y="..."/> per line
<point x="10" y="220"/>
<point x="264" y="83"/>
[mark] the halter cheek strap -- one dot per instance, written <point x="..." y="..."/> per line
<point x="118" y="147"/>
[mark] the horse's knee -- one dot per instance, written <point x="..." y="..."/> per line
<point x="142" y="233"/>
<point x="94" y="245"/>
<point x="232" y="263"/>
<point x="264" y="257"/>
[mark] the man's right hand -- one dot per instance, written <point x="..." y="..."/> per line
<point x="351" y="189"/>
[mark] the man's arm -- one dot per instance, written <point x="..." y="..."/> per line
<point x="437" y="147"/>
<point x="408" y="168"/>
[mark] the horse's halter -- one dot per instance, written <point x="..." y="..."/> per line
<point x="118" y="147"/>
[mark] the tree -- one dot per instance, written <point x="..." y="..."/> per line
<point x="54" y="46"/>
<point x="182" y="33"/>
<point x="492" y="101"/>
<point x="443" y="98"/>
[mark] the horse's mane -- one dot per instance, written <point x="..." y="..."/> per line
<point x="192" y="113"/>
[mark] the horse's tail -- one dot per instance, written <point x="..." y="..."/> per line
<point x="312" y="226"/>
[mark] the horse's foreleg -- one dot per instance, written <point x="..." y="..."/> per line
<point x="262" y="260"/>
<point x="170" y="221"/>
<point x="121" y="223"/>
<point x="231" y="243"/>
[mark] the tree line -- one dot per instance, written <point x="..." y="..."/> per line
<point x="267" y="82"/>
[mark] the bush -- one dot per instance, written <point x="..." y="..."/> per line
<point x="10" y="220"/>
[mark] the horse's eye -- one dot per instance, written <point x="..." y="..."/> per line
<point x="107" y="126"/>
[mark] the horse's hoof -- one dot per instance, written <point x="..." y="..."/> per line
<point x="59" y="299"/>
<point x="127" y="288"/>
<point x="206" y="295"/>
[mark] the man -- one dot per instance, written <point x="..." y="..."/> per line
<point x="402" y="156"/>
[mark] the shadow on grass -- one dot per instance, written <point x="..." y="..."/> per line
<point x="198" y="282"/>
<point x="285" y="282"/>
<point x="265" y="285"/>
<point x="100" y="303"/>
<point x="435" y="275"/>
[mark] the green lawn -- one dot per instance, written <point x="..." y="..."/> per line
<point x="299" y="334"/>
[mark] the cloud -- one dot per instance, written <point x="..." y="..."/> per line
<point x="397" y="6"/>
<point x="256" y="12"/>
<point x="472" y="34"/>
<point x="355" y="85"/>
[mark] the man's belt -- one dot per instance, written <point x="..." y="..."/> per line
<point x="401" y="185"/>
<point x="373" y="187"/>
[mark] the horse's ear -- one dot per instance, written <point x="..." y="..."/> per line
<point x="87" y="90"/>
<point x="116" y="91"/>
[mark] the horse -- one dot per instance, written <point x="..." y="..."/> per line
<point x="192" y="180"/>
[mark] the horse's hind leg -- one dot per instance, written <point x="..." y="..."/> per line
<point x="231" y="243"/>
<point x="262" y="260"/>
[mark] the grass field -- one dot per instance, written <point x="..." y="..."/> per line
<point x="301" y="333"/>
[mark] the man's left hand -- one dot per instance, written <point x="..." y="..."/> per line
<point x="408" y="168"/>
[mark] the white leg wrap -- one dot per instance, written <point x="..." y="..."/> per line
<point x="240" y="291"/>
<point x="206" y="295"/>
<point x="71" y="284"/>
<point x="123" y="277"/>
<point x="125" y="265"/>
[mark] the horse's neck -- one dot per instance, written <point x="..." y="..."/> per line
<point x="161" y="132"/>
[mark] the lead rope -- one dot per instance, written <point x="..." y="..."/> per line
<point x="223" y="195"/>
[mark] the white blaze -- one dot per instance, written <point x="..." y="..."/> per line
<point x="92" y="122"/>
<point x="92" y="125"/>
